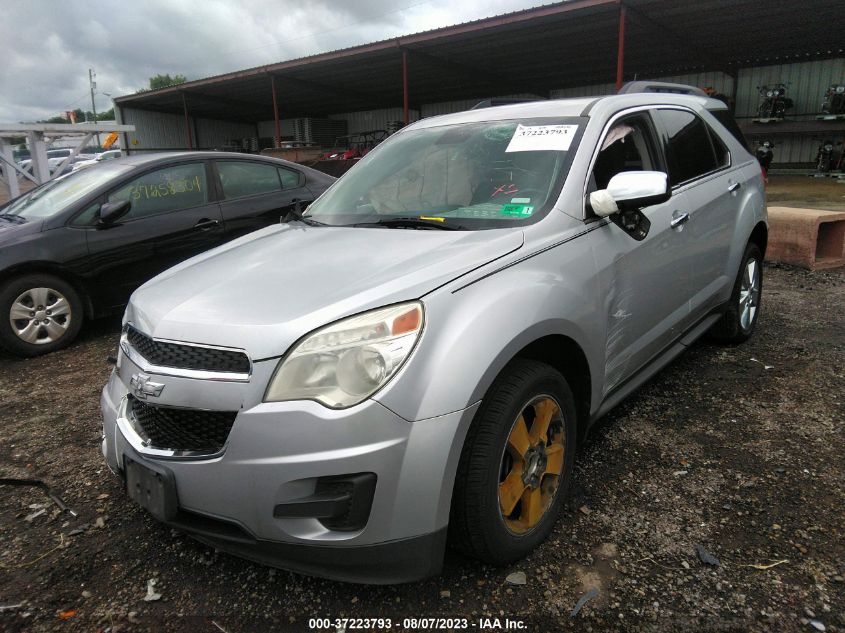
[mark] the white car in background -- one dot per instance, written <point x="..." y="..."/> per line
<point x="99" y="158"/>
<point x="55" y="157"/>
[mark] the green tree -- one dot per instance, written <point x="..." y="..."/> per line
<point x="163" y="81"/>
<point x="82" y="116"/>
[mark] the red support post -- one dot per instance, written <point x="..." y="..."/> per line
<point x="187" y="122"/>
<point x="405" y="87"/>
<point x="620" y="49"/>
<point x="276" y="112"/>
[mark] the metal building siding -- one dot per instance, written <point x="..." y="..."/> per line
<point x="212" y="133"/>
<point x="267" y="129"/>
<point x="718" y="80"/>
<point x="448" y="107"/>
<point x="806" y="83"/>
<point x="368" y="120"/>
<point x="155" y="130"/>
<point x="160" y="130"/>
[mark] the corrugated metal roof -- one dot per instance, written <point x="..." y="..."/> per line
<point x="532" y="51"/>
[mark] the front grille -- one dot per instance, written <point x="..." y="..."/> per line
<point x="169" y="428"/>
<point x="186" y="356"/>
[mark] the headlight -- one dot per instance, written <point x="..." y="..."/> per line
<point x="345" y="363"/>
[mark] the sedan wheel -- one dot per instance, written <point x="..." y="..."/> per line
<point x="40" y="316"/>
<point x="39" y="313"/>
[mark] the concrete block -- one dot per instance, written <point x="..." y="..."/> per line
<point x="810" y="238"/>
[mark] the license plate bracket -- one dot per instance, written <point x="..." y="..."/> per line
<point x="151" y="487"/>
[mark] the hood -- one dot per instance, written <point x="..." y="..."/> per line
<point x="13" y="228"/>
<point x="265" y="290"/>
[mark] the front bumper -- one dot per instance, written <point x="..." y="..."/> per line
<point x="277" y="453"/>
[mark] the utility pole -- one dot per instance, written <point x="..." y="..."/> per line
<point x="91" y="75"/>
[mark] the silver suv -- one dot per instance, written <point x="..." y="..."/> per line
<point x="415" y="359"/>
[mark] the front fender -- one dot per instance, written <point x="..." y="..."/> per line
<point x="473" y="331"/>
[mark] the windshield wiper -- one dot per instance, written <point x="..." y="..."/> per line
<point x="10" y="217"/>
<point x="410" y="223"/>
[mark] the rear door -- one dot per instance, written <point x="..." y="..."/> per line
<point x="256" y="194"/>
<point x="700" y="167"/>
<point x="172" y="218"/>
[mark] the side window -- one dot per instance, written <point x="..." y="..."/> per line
<point x="164" y="190"/>
<point x="88" y="216"/>
<point x="726" y="118"/>
<point x="241" y="179"/>
<point x="290" y="178"/>
<point x="689" y="151"/>
<point x="627" y="146"/>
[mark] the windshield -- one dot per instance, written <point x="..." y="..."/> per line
<point x="470" y="176"/>
<point x="56" y="195"/>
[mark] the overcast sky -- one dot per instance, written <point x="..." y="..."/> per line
<point x="48" y="46"/>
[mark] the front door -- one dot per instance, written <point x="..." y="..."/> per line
<point x="644" y="283"/>
<point x="170" y="220"/>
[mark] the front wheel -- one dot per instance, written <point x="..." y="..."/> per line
<point x="740" y="318"/>
<point x="38" y="314"/>
<point x="516" y="464"/>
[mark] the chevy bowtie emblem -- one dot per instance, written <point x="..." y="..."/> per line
<point x="142" y="387"/>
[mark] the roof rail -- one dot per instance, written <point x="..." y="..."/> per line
<point x="660" y="86"/>
<point x="500" y="101"/>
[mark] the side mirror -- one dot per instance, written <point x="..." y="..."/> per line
<point x="111" y="212"/>
<point x="631" y="190"/>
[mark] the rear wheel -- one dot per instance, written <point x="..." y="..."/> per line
<point x="740" y="318"/>
<point x="38" y="314"/>
<point x="516" y="464"/>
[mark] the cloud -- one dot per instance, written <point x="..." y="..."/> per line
<point x="48" y="47"/>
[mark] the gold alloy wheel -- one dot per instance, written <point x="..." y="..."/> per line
<point x="532" y="462"/>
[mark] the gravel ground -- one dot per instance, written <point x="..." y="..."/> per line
<point x="738" y="450"/>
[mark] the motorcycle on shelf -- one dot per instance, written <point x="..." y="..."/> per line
<point x="825" y="158"/>
<point x="834" y="101"/>
<point x="765" y="156"/>
<point x="775" y="102"/>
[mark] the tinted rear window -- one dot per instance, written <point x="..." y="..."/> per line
<point x="726" y="118"/>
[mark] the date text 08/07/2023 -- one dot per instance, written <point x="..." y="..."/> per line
<point x="416" y="624"/>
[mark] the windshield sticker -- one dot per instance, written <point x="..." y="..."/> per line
<point x="534" y="138"/>
<point x="433" y="218"/>
<point x="520" y="200"/>
<point x="517" y="210"/>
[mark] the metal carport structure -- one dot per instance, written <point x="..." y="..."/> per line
<point x="532" y="51"/>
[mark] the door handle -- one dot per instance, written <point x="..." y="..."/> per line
<point x="205" y="224"/>
<point x="678" y="220"/>
<point x="734" y="187"/>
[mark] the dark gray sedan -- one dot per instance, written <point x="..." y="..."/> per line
<point x="76" y="247"/>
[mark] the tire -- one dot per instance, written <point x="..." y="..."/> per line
<point x="526" y="391"/>
<point x="38" y="332"/>
<point x="736" y="325"/>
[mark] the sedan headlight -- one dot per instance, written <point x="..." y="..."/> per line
<point x="345" y="363"/>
